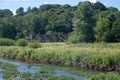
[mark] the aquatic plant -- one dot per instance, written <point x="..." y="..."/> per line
<point x="9" y="70"/>
<point x="25" y="75"/>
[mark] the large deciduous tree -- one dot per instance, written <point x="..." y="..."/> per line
<point x="106" y="27"/>
<point x="83" y="22"/>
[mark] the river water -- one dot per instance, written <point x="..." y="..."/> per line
<point x="34" y="68"/>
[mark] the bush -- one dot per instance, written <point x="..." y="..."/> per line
<point x="6" y="42"/>
<point x="21" y="42"/>
<point x="73" y="38"/>
<point x="34" y="44"/>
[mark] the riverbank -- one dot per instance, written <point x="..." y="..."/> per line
<point x="103" y="57"/>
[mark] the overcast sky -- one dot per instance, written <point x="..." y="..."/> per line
<point x="15" y="4"/>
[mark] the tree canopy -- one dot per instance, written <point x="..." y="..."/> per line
<point x="86" y="22"/>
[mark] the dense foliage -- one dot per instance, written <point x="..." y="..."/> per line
<point x="89" y="22"/>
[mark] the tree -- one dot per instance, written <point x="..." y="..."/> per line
<point x="47" y="7"/>
<point x="104" y="27"/>
<point x="59" y="20"/>
<point x="83" y="22"/>
<point x="66" y="6"/>
<point x="5" y="13"/>
<point x="99" y="6"/>
<point x="35" y="23"/>
<point x="115" y="31"/>
<point x="7" y="29"/>
<point x="35" y="10"/>
<point x="20" y="11"/>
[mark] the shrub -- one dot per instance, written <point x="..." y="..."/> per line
<point x="73" y="38"/>
<point x="34" y="44"/>
<point x="21" y="42"/>
<point x="6" y="42"/>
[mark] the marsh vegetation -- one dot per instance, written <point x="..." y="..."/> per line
<point x="97" y="57"/>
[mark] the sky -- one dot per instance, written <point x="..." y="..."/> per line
<point x="15" y="4"/>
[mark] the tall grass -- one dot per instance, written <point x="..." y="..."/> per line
<point x="95" y="56"/>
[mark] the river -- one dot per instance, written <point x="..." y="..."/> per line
<point x="46" y="72"/>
